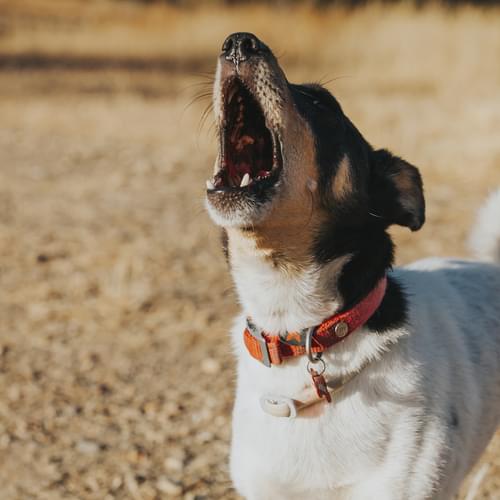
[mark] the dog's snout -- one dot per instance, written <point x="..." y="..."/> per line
<point x="239" y="47"/>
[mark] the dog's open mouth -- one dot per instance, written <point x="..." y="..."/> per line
<point x="250" y="152"/>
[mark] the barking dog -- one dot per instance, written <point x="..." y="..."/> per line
<point x="355" y="381"/>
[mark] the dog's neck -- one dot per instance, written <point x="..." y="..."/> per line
<point x="278" y="296"/>
<point x="287" y="290"/>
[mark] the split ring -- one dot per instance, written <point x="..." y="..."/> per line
<point x="310" y="369"/>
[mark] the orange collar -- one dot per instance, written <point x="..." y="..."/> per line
<point x="272" y="349"/>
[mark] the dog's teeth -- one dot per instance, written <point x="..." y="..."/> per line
<point x="245" y="181"/>
<point x="210" y="185"/>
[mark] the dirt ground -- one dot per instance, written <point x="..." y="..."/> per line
<point x="116" y="376"/>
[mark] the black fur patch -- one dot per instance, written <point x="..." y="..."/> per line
<point x="371" y="251"/>
<point x="358" y="224"/>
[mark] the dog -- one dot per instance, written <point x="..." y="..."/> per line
<point x="354" y="380"/>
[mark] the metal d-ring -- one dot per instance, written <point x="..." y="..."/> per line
<point x="308" y="346"/>
<point x="310" y="369"/>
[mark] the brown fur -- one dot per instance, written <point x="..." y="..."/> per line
<point x="342" y="183"/>
<point x="404" y="181"/>
<point x="287" y="233"/>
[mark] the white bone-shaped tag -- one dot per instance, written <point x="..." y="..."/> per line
<point x="278" y="406"/>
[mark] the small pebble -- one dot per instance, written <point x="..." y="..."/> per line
<point x="173" y="464"/>
<point x="210" y="366"/>
<point x="87" y="447"/>
<point x="167" y="486"/>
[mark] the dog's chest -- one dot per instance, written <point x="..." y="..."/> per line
<point x="333" y="446"/>
<point x="333" y="451"/>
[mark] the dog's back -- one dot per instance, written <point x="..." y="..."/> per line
<point x="455" y="314"/>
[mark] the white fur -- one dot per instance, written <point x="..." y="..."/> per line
<point x="412" y="424"/>
<point x="242" y="213"/>
<point x="485" y="238"/>
<point x="285" y="301"/>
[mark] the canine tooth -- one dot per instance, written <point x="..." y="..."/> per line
<point x="210" y="185"/>
<point x="245" y="181"/>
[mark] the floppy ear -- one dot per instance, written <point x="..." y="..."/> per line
<point x="396" y="190"/>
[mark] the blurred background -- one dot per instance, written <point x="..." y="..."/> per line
<point x="116" y="377"/>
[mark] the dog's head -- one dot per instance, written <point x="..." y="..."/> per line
<point x="288" y="154"/>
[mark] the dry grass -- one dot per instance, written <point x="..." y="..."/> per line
<point x="114" y="299"/>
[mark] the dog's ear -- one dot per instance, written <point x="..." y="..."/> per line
<point x="396" y="191"/>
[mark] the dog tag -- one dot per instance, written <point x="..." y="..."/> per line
<point x="278" y="406"/>
<point x="320" y="385"/>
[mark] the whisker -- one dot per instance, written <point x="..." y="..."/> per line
<point x="204" y="116"/>
<point x="376" y="215"/>
<point x="334" y="79"/>
<point x="199" y="97"/>
<point x="213" y="129"/>
<point x="281" y="54"/>
<point x="209" y="75"/>
<point x="207" y="85"/>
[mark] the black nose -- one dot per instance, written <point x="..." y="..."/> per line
<point x="239" y="47"/>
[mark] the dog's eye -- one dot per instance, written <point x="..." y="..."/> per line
<point x="320" y="105"/>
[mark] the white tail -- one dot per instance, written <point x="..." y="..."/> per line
<point x="485" y="237"/>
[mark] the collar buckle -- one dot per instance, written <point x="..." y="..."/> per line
<point x="256" y="335"/>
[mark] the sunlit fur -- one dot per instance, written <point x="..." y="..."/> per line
<point x="410" y="426"/>
<point x="414" y="421"/>
<point x="485" y="239"/>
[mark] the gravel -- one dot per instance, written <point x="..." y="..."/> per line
<point x="116" y="376"/>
